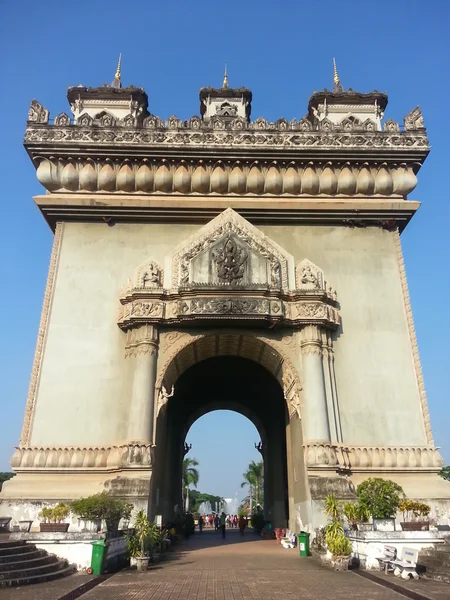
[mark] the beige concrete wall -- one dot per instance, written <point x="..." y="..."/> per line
<point x="377" y="387"/>
<point x="84" y="384"/>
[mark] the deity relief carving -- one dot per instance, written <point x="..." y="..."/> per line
<point x="309" y="277"/>
<point x="152" y="276"/>
<point x="229" y="250"/>
<point x="149" y="275"/>
<point x="163" y="397"/>
<point x="230" y="261"/>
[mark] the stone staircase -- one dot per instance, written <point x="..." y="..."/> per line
<point x="22" y="563"/>
<point x="436" y="561"/>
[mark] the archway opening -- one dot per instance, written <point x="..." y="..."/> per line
<point x="223" y="442"/>
<point x="224" y="383"/>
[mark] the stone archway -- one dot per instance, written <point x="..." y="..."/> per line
<point x="217" y="383"/>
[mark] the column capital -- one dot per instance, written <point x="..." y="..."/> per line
<point x="311" y="340"/>
<point x="142" y="340"/>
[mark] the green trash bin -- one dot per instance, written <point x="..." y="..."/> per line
<point x="303" y="543"/>
<point x="98" y="556"/>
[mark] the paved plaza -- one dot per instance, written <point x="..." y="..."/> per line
<point x="208" y="568"/>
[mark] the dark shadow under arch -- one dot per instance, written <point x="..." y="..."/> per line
<point x="231" y="383"/>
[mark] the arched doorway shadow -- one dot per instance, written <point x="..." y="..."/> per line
<point x="233" y="383"/>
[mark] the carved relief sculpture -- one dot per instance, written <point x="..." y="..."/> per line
<point x="230" y="261"/>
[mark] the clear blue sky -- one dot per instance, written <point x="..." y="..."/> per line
<point x="282" y="51"/>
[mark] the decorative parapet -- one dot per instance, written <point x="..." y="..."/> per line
<point x="91" y="459"/>
<point x="296" y="158"/>
<point x="326" y="456"/>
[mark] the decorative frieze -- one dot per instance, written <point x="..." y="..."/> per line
<point x="91" y="459"/>
<point x="366" y="458"/>
<point x="243" y="178"/>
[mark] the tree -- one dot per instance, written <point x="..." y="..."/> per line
<point x="257" y="470"/>
<point x="4" y="476"/>
<point x="249" y="480"/>
<point x="445" y="473"/>
<point x="190" y="476"/>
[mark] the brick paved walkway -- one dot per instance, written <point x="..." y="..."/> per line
<point x="208" y="568"/>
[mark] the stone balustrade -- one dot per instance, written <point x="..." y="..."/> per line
<point x="101" y="458"/>
<point x="362" y="458"/>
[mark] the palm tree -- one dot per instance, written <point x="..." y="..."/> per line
<point x="249" y="479"/>
<point x="189" y="476"/>
<point x="257" y="471"/>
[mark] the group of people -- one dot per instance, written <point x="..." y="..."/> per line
<point x="221" y="522"/>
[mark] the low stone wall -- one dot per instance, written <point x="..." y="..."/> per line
<point x="76" y="548"/>
<point x="368" y="545"/>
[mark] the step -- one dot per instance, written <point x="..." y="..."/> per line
<point x="9" y="558"/>
<point x="11" y="544"/>
<point x="69" y="570"/>
<point x="27" y="563"/>
<point x="16" y="549"/>
<point x="25" y="571"/>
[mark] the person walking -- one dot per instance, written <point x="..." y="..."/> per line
<point x="200" y="524"/>
<point x="223" y="522"/>
<point x="216" y="522"/>
<point x="242" y="525"/>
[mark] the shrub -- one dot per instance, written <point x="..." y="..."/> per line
<point x="339" y="546"/>
<point x="102" y="507"/>
<point x="146" y="535"/>
<point x="56" y="514"/>
<point x="380" y="497"/>
<point x="356" y="513"/>
<point x="257" y="521"/>
<point x="412" y="509"/>
<point x="333" y="507"/>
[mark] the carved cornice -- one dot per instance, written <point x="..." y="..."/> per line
<point x="174" y="307"/>
<point x="413" y="340"/>
<point x="83" y="459"/>
<point x="38" y="354"/>
<point x="326" y="456"/>
<point x="244" y="177"/>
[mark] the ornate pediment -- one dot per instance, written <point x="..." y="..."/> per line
<point x="227" y="271"/>
<point x="229" y="251"/>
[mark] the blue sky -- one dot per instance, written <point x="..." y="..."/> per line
<point x="282" y="51"/>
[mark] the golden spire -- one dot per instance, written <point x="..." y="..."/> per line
<point x="337" y="82"/>
<point x="225" y="79"/>
<point x="117" y="75"/>
<point x="336" y="76"/>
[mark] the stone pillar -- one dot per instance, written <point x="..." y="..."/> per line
<point x="315" y="412"/>
<point x="142" y="349"/>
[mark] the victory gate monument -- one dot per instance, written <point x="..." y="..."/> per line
<point x="225" y="263"/>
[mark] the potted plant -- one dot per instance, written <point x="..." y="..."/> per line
<point x="381" y="498"/>
<point x="412" y="513"/>
<point x="25" y="526"/>
<point x="53" y="518"/>
<point x="357" y="515"/>
<point x="102" y="507"/>
<point x="140" y="543"/>
<point x="319" y="544"/>
<point x="341" y="550"/>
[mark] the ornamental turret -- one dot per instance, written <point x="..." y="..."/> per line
<point x="225" y="103"/>
<point x="108" y="105"/>
<point x="347" y="109"/>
